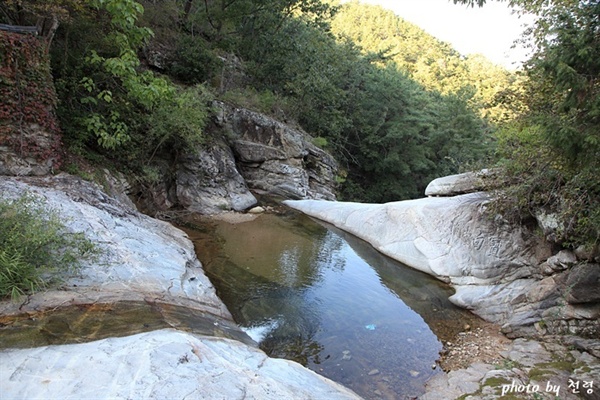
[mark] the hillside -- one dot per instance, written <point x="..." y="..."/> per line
<point x="136" y="83"/>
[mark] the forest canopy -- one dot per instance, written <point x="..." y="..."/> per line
<point x="396" y="106"/>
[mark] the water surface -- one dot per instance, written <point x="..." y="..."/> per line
<point x="311" y="293"/>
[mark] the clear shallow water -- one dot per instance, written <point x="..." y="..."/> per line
<point x="328" y="300"/>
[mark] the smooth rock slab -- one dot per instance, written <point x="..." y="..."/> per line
<point x="447" y="237"/>
<point x="165" y="364"/>
<point x="143" y="259"/>
<point x="491" y="264"/>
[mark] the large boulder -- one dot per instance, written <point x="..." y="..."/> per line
<point x="276" y="158"/>
<point x="208" y="181"/>
<point x="453" y="185"/>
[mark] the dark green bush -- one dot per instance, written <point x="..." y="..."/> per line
<point x="36" y="249"/>
<point x="536" y="180"/>
<point x="194" y="61"/>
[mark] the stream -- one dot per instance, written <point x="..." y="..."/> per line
<point x="308" y="292"/>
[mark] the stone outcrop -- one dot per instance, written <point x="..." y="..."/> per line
<point x="208" y="182"/>
<point x="453" y="185"/>
<point x="164" y="364"/>
<point x="250" y="152"/>
<point x="276" y="158"/>
<point x="501" y="272"/>
<point x="149" y="265"/>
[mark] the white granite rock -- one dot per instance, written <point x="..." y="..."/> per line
<point x="452" y="185"/>
<point x="144" y="258"/>
<point x="447" y="237"/>
<point x="165" y="364"/>
<point x="488" y="263"/>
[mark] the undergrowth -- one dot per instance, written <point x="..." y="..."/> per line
<point x="36" y="249"/>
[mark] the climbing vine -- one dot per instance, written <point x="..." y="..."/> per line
<point x="28" y="124"/>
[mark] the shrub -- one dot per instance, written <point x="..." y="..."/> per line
<point x="36" y="249"/>
<point x="265" y="102"/>
<point x="178" y="123"/>
<point x="194" y="61"/>
<point x="535" y="179"/>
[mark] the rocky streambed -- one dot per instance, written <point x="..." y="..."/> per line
<point x="143" y="321"/>
<point x="547" y="300"/>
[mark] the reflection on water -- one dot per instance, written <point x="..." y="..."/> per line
<point x="331" y="302"/>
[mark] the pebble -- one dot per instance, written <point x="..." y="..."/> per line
<point x="414" y="373"/>
<point x="373" y="372"/>
<point x="378" y="392"/>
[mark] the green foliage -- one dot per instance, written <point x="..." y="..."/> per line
<point x="391" y="132"/>
<point x="177" y="122"/>
<point x="432" y="63"/>
<point x="35" y="247"/>
<point x="100" y="80"/>
<point x="537" y="180"/>
<point x="551" y="155"/>
<point x="564" y="91"/>
<point x="194" y="62"/>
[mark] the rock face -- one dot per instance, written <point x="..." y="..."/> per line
<point x="145" y="262"/>
<point x="165" y="364"/>
<point x="278" y="159"/>
<point x="499" y="271"/>
<point x="254" y="153"/>
<point x="208" y="182"/>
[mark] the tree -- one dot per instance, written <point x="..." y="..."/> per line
<point x="562" y="95"/>
<point x="431" y="62"/>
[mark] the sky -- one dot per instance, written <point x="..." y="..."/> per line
<point x="490" y="30"/>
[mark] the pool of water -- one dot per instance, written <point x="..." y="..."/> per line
<point x="311" y="293"/>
